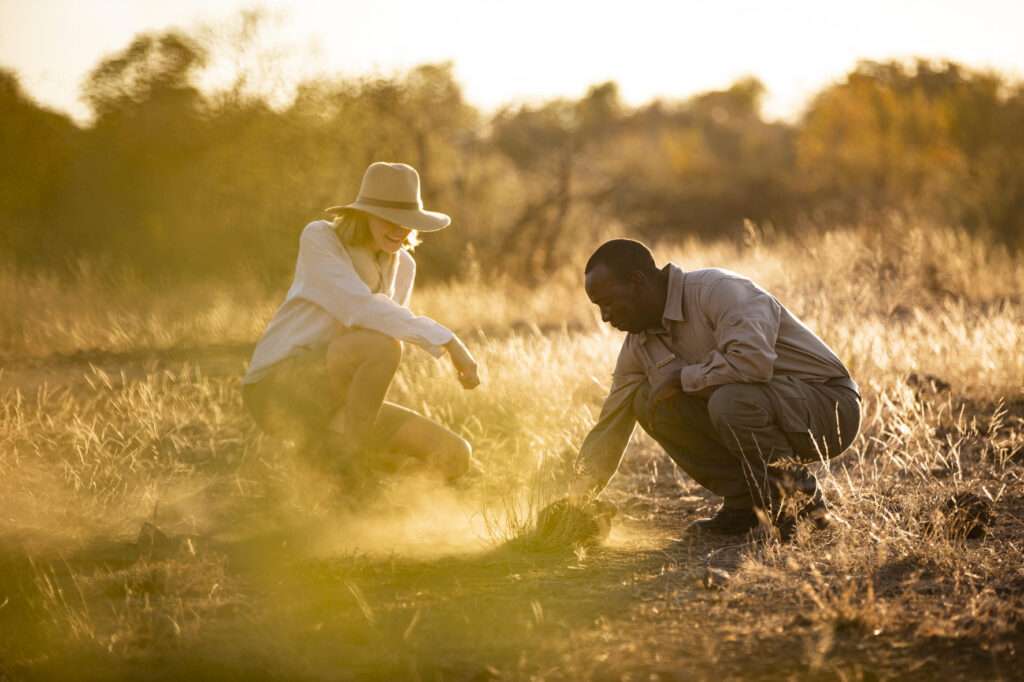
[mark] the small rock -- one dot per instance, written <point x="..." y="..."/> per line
<point x="716" y="578"/>
<point x="153" y="542"/>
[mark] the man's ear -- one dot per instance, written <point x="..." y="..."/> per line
<point x="638" y="279"/>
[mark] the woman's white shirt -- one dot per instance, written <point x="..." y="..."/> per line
<point x="328" y="296"/>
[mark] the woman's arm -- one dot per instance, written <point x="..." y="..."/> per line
<point x="465" y="364"/>
<point x="325" y="276"/>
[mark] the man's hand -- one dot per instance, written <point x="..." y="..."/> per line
<point x="465" y="365"/>
<point x="565" y="523"/>
<point x="664" y="390"/>
<point x="581" y="490"/>
<point x="704" y="393"/>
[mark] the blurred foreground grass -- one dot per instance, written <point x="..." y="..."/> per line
<point x="120" y="407"/>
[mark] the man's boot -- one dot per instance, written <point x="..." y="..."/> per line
<point x="727" y="521"/>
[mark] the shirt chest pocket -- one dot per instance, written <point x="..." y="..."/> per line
<point x="659" y="360"/>
<point x="693" y="342"/>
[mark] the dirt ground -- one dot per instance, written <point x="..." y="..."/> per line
<point x="651" y="603"/>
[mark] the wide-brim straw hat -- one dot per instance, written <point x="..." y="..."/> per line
<point x="392" y="191"/>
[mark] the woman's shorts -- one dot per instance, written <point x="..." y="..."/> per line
<point x="295" y="401"/>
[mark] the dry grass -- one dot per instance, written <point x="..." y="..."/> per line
<point x="106" y="423"/>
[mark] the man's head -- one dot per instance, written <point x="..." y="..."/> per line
<point x="623" y="281"/>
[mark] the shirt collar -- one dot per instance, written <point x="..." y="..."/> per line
<point x="673" y="311"/>
<point x="674" y="300"/>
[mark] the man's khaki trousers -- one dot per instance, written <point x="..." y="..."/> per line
<point x="731" y="443"/>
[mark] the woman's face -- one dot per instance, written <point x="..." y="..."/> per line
<point x="387" y="236"/>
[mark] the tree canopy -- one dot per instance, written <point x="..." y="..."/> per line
<point x="169" y="180"/>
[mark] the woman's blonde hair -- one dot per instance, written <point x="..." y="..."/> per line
<point x="353" y="228"/>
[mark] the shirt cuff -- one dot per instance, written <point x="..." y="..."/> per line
<point x="692" y="378"/>
<point x="435" y="346"/>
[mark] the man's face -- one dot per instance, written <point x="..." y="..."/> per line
<point x="618" y="299"/>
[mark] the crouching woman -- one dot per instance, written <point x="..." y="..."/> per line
<point x="320" y="373"/>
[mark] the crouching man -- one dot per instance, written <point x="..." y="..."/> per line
<point x="736" y="389"/>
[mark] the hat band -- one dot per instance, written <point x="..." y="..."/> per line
<point x="383" y="203"/>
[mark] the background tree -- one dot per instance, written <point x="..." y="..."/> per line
<point x="933" y="140"/>
<point x="38" y="145"/>
<point x="172" y="180"/>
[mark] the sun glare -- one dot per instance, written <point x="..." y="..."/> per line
<point x="527" y="51"/>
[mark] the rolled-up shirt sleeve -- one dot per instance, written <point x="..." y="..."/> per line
<point x="746" y="322"/>
<point x="327" y="277"/>
<point x="602" y="449"/>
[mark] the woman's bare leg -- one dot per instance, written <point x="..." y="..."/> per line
<point x="360" y="366"/>
<point x="423" y="440"/>
<point x="412" y="440"/>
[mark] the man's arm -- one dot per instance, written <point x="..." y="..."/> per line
<point x="602" y="449"/>
<point x="671" y="385"/>
<point x="746" y="324"/>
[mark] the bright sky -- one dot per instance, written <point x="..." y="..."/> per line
<point x="536" y="49"/>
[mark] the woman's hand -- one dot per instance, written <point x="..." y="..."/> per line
<point x="465" y="365"/>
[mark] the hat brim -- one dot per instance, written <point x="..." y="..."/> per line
<point x="413" y="219"/>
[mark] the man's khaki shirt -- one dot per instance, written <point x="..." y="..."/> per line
<point x="718" y="328"/>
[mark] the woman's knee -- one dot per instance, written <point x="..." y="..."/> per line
<point x="454" y="457"/>
<point x="364" y="345"/>
<point x="389" y="350"/>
